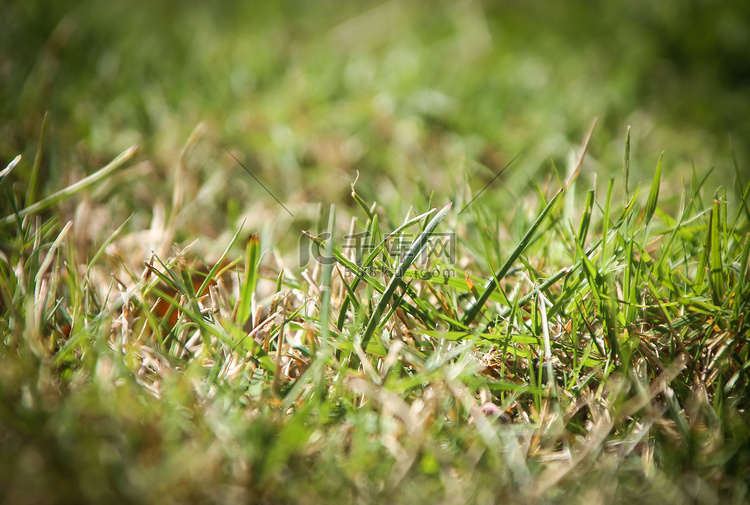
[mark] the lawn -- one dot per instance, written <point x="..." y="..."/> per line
<point x="365" y="252"/>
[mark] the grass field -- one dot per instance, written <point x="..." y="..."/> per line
<point x="364" y="252"/>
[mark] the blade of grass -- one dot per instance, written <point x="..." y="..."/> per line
<point x="106" y="243"/>
<point x="52" y="253"/>
<point x="360" y="201"/>
<point x="492" y="284"/>
<point x="397" y="280"/>
<point x="602" y="295"/>
<point x="626" y="165"/>
<point x="220" y="266"/>
<point x="9" y="168"/>
<point x="361" y="271"/>
<point x="71" y="190"/>
<point x="581" y="155"/>
<point x="249" y="279"/>
<point x="583" y="229"/>
<point x="489" y="337"/>
<point x="653" y="195"/>
<point x="714" y="240"/>
<point x="698" y="284"/>
<point x="325" y="287"/>
<point x="605" y="220"/>
<point x="542" y="305"/>
<point x="742" y="279"/>
<point x="31" y="194"/>
<point x="350" y="265"/>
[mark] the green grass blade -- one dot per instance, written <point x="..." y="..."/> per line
<point x="9" y="168"/>
<point x="715" y="260"/>
<point x="31" y="194"/>
<point x="700" y="275"/>
<point x="249" y="279"/>
<point x="348" y="264"/>
<point x="602" y="294"/>
<point x="740" y="287"/>
<point x="106" y="243"/>
<point x="360" y="270"/>
<point x="492" y="284"/>
<point x="626" y="165"/>
<point x="360" y="201"/>
<point x="325" y="287"/>
<point x="220" y="266"/>
<point x="71" y="190"/>
<point x="653" y="196"/>
<point x="583" y="229"/>
<point x="397" y="280"/>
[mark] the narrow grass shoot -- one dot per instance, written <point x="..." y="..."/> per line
<point x="31" y="193"/>
<point x="249" y="280"/>
<point x="491" y="285"/>
<point x="73" y="189"/>
<point x="397" y="280"/>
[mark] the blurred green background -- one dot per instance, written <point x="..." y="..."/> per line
<point x="415" y="95"/>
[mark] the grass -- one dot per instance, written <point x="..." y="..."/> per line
<point x="571" y="330"/>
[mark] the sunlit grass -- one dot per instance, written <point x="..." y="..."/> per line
<point x="616" y="364"/>
<point x="174" y="329"/>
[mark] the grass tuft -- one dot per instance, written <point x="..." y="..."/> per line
<point x="169" y="334"/>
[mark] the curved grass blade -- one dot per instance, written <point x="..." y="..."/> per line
<point x="220" y="266"/>
<point x="397" y="279"/>
<point x="249" y="280"/>
<point x="583" y="229"/>
<point x="9" y="168"/>
<point x="325" y="304"/>
<point x="714" y="238"/>
<point x="36" y="168"/>
<point x="492" y="284"/>
<point x="346" y="263"/>
<point x="360" y="201"/>
<point x="653" y="196"/>
<point x="373" y="255"/>
<point x="626" y="166"/>
<point x="73" y="188"/>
